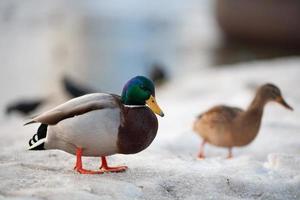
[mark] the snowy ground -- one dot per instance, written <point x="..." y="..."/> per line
<point x="266" y="169"/>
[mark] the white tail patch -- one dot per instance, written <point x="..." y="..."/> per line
<point x="41" y="141"/>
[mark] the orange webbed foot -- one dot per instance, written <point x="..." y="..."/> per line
<point x="105" y="168"/>
<point x="114" y="169"/>
<point x="85" y="171"/>
<point x="79" y="168"/>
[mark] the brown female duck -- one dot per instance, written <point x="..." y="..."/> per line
<point x="226" y="126"/>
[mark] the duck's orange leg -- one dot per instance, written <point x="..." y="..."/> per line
<point x="105" y="168"/>
<point x="201" y="153"/>
<point x="229" y="153"/>
<point x="78" y="166"/>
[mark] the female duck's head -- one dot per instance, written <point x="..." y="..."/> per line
<point x="270" y="92"/>
<point x="140" y="91"/>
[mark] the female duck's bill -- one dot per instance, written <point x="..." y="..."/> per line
<point x="281" y="101"/>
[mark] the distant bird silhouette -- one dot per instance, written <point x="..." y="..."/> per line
<point x="24" y="107"/>
<point x="74" y="89"/>
<point x="158" y="74"/>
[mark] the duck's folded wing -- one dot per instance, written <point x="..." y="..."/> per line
<point x="77" y="106"/>
<point x="221" y="114"/>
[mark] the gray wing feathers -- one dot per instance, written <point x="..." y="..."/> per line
<point x="77" y="106"/>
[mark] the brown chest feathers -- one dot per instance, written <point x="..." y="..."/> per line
<point x="137" y="130"/>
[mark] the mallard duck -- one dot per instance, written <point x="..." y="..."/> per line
<point x="101" y="124"/>
<point x="226" y="126"/>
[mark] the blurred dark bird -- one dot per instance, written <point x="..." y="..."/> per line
<point x="74" y="89"/>
<point x="24" y="106"/>
<point x="227" y="126"/>
<point x="158" y="74"/>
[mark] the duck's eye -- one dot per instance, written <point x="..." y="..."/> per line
<point x="142" y="87"/>
<point x="274" y="95"/>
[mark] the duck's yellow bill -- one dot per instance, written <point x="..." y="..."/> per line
<point x="151" y="102"/>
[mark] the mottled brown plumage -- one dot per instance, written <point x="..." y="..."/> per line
<point x="226" y="126"/>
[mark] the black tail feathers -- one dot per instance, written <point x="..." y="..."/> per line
<point x="38" y="139"/>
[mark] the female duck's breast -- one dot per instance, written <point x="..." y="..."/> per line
<point x="137" y="131"/>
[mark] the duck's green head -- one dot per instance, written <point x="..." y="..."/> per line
<point x="140" y="91"/>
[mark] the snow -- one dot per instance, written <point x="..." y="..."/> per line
<point x="268" y="168"/>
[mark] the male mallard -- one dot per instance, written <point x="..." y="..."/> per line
<point x="226" y="126"/>
<point x="101" y="124"/>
